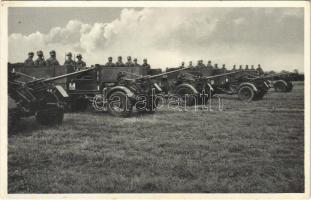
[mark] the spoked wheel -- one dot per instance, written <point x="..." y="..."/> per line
<point x="246" y="93"/>
<point x="119" y="104"/>
<point x="187" y="95"/>
<point x="280" y="87"/>
<point x="52" y="112"/>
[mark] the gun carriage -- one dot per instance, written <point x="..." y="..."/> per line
<point x="36" y="97"/>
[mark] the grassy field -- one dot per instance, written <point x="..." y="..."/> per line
<point x="247" y="147"/>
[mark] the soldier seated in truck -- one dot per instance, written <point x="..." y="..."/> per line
<point x="129" y="62"/>
<point x="120" y="63"/>
<point x="80" y="64"/>
<point x="52" y="61"/>
<point x="29" y="61"/>
<point x="110" y="63"/>
<point x="40" y="61"/>
<point x="69" y="63"/>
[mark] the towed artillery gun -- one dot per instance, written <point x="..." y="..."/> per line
<point x="281" y="82"/>
<point x="37" y="97"/>
<point x="247" y="88"/>
<point x="110" y="88"/>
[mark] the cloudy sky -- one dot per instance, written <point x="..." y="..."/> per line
<point x="272" y="37"/>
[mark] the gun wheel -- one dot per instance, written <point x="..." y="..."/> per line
<point x="246" y="93"/>
<point x="186" y="94"/>
<point x="51" y="112"/>
<point x="119" y="104"/>
<point x="280" y="87"/>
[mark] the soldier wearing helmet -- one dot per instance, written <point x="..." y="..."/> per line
<point x="182" y="65"/>
<point x="240" y="68"/>
<point x="259" y="70"/>
<point x="40" y="61"/>
<point x="52" y="61"/>
<point x="246" y="67"/>
<point x="135" y="63"/>
<point x="110" y="63"/>
<point x="29" y="61"/>
<point x="233" y="68"/>
<point x="209" y="65"/>
<point x="190" y="64"/>
<point x="80" y="64"/>
<point x="146" y="65"/>
<point x="223" y="69"/>
<point x="129" y="62"/>
<point x="120" y="63"/>
<point x="69" y="63"/>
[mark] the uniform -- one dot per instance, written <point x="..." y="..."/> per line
<point x="129" y="64"/>
<point x="110" y="64"/>
<point x="70" y="65"/>
<point x="80" y="65"/>
<point x="120" y="64"/>
<point x="40" y="62"/>
<point x="52" y="61"/>
<point x="29" y="62"/>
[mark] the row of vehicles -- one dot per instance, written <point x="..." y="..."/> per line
<point x="119" y="90"/>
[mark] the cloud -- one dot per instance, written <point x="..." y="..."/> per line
<point x="166" y="36"/>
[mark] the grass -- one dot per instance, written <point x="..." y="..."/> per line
<point x="248" y="147"/>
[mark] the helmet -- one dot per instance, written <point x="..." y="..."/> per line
<point x="39" y="53"/>
<point x="110" y="58"/>
<point x="135" y="59"/>
<point x="52" y="52"/>
<point x="209" y="62"/>
<point x="129" y="58"/>
<point x="119" y="57"/>
<point x="145" y="60"/>
<point x="79" y="56"/>
<point x="30" y="54"/>
<point x="69" y="54"/>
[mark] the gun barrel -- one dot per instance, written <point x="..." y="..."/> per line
<point x="68" y="75"/>
<point x="220" y="75"/>
<point x="166" y="73"/>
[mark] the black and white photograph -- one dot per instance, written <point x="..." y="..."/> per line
<point x="157" y="99"/>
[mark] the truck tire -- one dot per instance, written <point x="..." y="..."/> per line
<point x="186" y="94"/>
<point x="119" y="104"/>
<point x="246" y="93"/>
<point x="280" y="87"/>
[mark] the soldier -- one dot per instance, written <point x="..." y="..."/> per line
<point x="252" y="67"/>
<point x="233" y="68"/>
<point x="110" y="63"/>
<point x="39" y="62"/>
<point x="246" y="67"/>
<point x="216" y="66"/>
<point x="190" y="64"/>
<point x="120" y="63"/>
<point x="223" y="69"/>
<point x="52" y="61"/>
<point x="259" y="70"/>
<point x="182" y="65"/>
<point x="198" y="64"/>
<point x="202" y="64"/>
<point x="129" y="62"/>
<point x="209" y="65"/>
<point x="29" y="61"/>
<point x="135" y="63"/>
<point x="145" y="64"/>
<point x="240" y="68"/>
<point x="69" y="63"/>
<point x="80" y="64"/>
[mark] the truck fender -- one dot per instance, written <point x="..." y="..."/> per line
<point x="124" y="89"/>
<point x="250" y="85"/>
<point x="188" y="86"/>
<point x="281" y="81"/>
